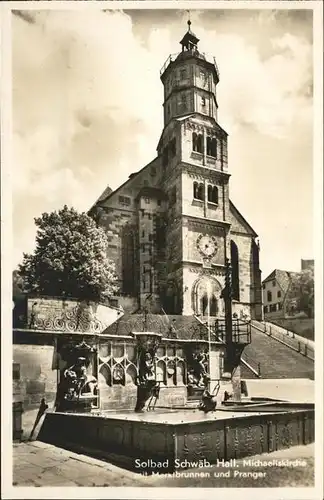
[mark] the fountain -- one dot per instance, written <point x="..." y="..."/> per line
<point x="151" y="396"/>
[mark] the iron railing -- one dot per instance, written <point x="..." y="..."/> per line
<point x="196" y="53"/>
<point x="241" y="331"/>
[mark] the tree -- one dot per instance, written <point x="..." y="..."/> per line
<point x="17" y="285"/>
<point x="70" y="259"/>
<point x="300" y="294"/>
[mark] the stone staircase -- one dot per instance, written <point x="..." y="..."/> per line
<point x="276" y="359"/>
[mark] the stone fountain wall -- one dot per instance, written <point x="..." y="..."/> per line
<point x="117" y="372"/>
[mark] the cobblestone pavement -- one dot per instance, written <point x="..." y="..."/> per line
<point x="40" y="464"/>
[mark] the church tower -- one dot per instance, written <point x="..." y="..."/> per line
<point x="171" y="226"/>
<point x="193" y="148"/>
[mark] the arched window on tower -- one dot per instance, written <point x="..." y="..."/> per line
<point x="212" y="194"/>
<point x="198" y="191"/>
<point x="214" y="147"/>
<point x="197" y="142"/>
<point x="201" y="192"/>
<point x="235" y="271"/>
<point x="211" y="146"/>
<point x="195" y="190"/>
<point x="208" y="145"/>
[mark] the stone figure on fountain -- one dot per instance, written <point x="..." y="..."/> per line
<point x="208" y="401"/>
<point x="197" y="372"/>
<point x="147" y="386"/>
<point x="78" y="381"/>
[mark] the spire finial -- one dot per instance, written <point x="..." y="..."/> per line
<point x="188" y="22"/>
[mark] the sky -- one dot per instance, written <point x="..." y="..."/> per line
<point x="87" y="112"/>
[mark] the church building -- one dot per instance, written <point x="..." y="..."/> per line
<point x="171" y="226"/>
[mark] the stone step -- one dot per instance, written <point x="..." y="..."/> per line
<point x="276" y="359"/>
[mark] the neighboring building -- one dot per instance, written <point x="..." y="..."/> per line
<point x="275" y="291"/>
<point x="275" y="288"/>
<point x="172" y="225"/>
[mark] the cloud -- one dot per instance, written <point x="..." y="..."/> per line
<point x="87" y="99"/>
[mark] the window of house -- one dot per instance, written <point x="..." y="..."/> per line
<point x="159" y="202"/>
<point x="149" y="216"/>
<point x="265" y="309"/>
<point x="203" y="101"/>
<point x="147" y="201"/>
<point x="269" y="296"/>
<point x="279" y="294"/>
<point x="197" y="142"/>
<point x="273" y="307"/>
<point x="143" y="234"/>
<point x="279" y="306"/>
<point x="150" y="237"/>
<point x="212" y="194"/>
<point x="183" y="101"/>
<point x="274" y="283"/>
<point x="143" y="247"/>
<point x="198" y="191"/>
<point x="124" y="200"/>
<point x="202" y="75"/>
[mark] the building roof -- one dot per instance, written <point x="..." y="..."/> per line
<point x="171" y="326"/>
<point x="281" y="277"/>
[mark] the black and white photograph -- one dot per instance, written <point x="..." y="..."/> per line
<point x="162" y="274"/>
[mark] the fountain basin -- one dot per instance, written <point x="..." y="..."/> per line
<point x="172" y="436"/>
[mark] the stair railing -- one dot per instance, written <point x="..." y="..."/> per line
<point x="282" y="337"/>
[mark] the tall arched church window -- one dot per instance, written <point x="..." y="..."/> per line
<point x="235" y="271"/>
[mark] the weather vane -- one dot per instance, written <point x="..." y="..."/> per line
<point x="188" y="22"/>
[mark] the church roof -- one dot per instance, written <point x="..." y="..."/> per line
<point x="241" y="219"/>
<point x="170" y="326"/>
<point x="108" y="193"/>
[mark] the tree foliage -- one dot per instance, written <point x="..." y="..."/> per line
<point x="300" y="296"/>
<point x="70" y="259"/>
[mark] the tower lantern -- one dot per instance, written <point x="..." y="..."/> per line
<point x="189" y="41"/>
